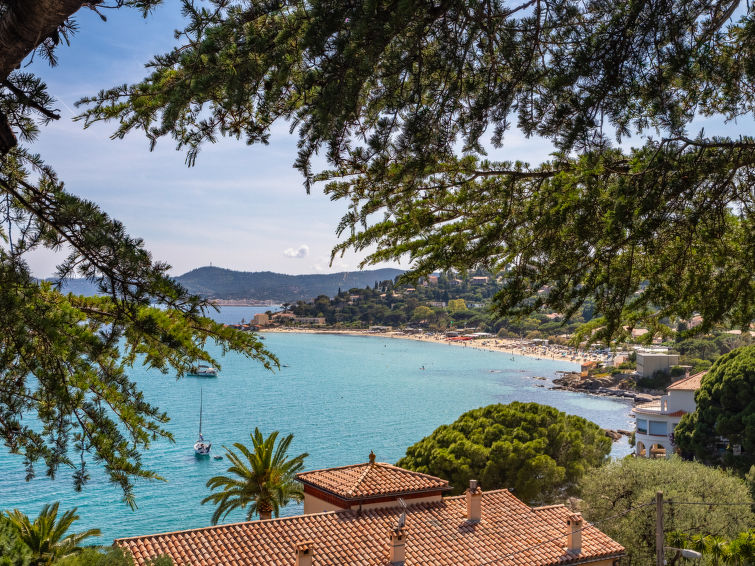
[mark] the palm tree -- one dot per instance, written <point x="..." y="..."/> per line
<point x="718" y="549"/>
<point x="46" y="536"/>
<point x="262" y="479"/>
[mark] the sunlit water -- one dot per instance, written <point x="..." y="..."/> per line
<point x="341" y="396"/>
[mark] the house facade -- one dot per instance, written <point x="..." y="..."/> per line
<point x="655" y="422"/>
<point x="648" y="363"/>
<point x="376" y="514"/>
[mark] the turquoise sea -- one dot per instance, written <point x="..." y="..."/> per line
<point x="341" y="396"/>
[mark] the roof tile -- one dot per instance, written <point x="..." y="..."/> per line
<point x="691" y="383"/>
<point x="371" y="480"/>
<point x="438" y="534"/>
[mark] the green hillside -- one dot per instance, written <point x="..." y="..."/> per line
<point x="221" y="283"/>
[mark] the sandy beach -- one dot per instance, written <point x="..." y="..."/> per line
<point x="505" y="346"/>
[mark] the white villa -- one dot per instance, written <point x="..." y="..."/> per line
<point x="655" y="421"/>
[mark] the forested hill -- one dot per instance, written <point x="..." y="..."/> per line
<point x="221" y="283"/>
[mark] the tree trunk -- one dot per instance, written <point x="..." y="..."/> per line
<point x="25" y="24"/>
<point x="23" y="27"/>
<point x="265" y="514"/>
<point x="265" y="510"/>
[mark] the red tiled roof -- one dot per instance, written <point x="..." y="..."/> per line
<point x="691" y="383"/>
<point x="437" y="534"/>
<point x="371" y="480"/>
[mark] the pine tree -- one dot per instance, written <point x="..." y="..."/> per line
<point x="406" y="98"/>
<point x="65" y="359"/>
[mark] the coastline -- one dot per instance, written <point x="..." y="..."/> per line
<point x="503" y="345"/>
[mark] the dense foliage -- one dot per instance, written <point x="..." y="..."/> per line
<point x="65" y="391"/>
<point x="260" y="480"/>
<point x="407" y="99"/>
<point x="13" y="552"/>
<point x="534" y="450"/>
<point x="725" y="414"/>
<point x="739" y="551"/>
<point x="609" y="492"/>
<point x="451" y="301"/>
<point x="108" y="556"/>
<point x="45" y="541"/>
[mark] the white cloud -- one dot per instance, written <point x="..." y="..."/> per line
<point x="302" y="251"/>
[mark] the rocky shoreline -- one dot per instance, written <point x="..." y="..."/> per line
<point x="614" y="386"/>
<point x="617" y="435"/>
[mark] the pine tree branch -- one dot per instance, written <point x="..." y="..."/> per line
<point x="24" y="99"/>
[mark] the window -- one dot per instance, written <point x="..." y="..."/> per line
<point x="642" y="426"/>
<point x="657" y="427"/>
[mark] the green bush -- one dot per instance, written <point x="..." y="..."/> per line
<point x="536" y="450"/>
<point x="12" y="551"/>
<point x="106" y="556"/>
<point x="659" y="380"/>
<point x="109" y="556"/>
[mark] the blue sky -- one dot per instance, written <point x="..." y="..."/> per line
<point x="241" y="207"/>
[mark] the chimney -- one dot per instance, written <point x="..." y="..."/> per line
<point x="397" y="551"/>
<point x="304" y="552"/>
<point x="574" y="533"/>
<point x="474" y="502"/>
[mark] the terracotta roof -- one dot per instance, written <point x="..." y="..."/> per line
<point x="654" y="408"/>
<point x="691" y="383"/>
<point x="361" y="481"/>
<point x="678" y="413"/>
<point x="437" y="534"/>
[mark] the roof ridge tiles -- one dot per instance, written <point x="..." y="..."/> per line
<point x="291" y="518"/>
<point x="331" y="469"/>
<point x="366" y="471"/>
<point x="545" y="507"/>
<point x="410" y="472"/>
<point x="230" y="525"/>
<point x="371" y="479"/>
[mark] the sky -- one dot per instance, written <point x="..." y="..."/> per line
<point x="240" y="207"/>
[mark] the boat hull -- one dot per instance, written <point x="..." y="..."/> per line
<point x="202" y="449"/>
<point x="203" y="371"/>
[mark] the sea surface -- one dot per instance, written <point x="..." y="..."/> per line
<point x="341" y="396"/>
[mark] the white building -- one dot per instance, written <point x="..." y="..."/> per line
<point x="656" y="421"/>
<point x="649" y="362"/>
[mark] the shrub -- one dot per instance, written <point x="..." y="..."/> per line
<point x="537" y="450"/>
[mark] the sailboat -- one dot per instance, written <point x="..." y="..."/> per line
<point x="201" y="446"/>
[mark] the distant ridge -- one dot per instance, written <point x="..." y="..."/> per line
<point x="219" y="283"/>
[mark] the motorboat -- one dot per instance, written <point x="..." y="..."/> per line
<point x="203" y="370"/>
